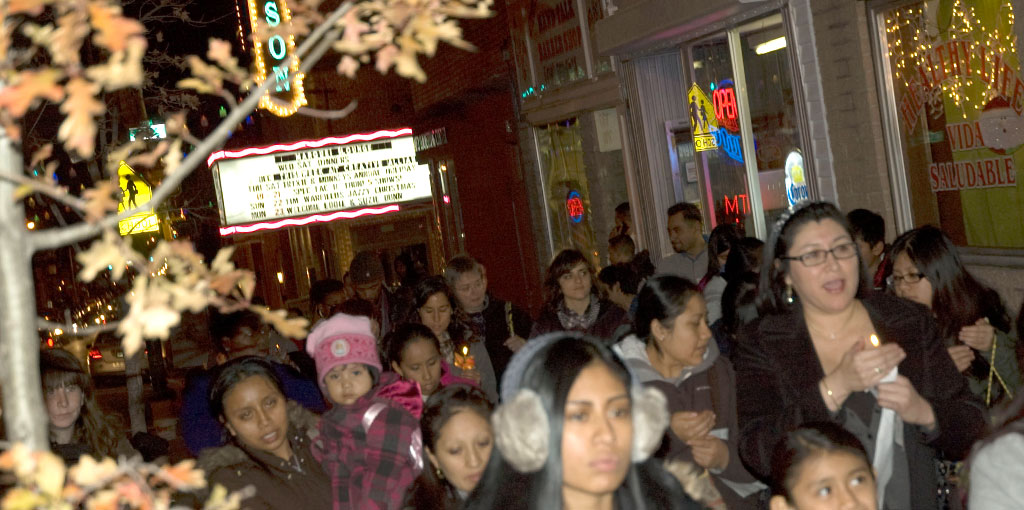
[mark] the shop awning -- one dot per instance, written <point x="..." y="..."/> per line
<point x="641" y="26"/>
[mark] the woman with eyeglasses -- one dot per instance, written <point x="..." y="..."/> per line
<point x="828" y="349"/>
<point x="972" y="319"/>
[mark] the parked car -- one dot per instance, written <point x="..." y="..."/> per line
<point x="106" y="357"/>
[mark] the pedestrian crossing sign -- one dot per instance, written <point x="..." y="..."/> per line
<point x="702" y="120"/>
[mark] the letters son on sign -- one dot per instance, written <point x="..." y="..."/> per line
<point x="274" y="56"/>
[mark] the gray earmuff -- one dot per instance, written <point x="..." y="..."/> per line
<point x="521" y="427"/>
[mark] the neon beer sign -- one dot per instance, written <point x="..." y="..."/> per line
<point x="574" y="206"/>
<point x="274" y="57"/>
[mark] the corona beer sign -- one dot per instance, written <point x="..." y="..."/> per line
<point x="273" y="54"/>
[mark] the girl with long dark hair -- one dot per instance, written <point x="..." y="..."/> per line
<point x="435" y="306"/>
<point x="457" y="438"/>
<point x="574" y="302"/>
<point x="673" y="351"/>
<point x="576" y="431"/>
<point x="972" y="319"/>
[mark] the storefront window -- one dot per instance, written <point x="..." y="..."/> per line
<point x="558" y="42"/>
<point x="954" y="71"/>
<point x="584" y="180"/>
<point x="716" y="118"/>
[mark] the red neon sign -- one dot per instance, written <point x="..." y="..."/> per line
<point x="574" y="207"/>
<point x="726" y="112"/>
<point x="315" y="218"/>
<point x="739" y="205"/>
<point x="307" y="144"/>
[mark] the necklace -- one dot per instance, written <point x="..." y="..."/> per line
<point x="854" y="311"/>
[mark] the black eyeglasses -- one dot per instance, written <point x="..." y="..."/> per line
<point x="818" y="257"/>
<point x="907" y="278"/>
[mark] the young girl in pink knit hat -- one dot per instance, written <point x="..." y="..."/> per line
<point x="370" y="443"/>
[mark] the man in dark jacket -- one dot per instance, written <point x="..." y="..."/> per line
<point x="503" y="326"/>
<point x="367" y="274"/>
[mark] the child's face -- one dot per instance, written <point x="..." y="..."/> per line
<point x="831" y="481"/>
<point x="346" y="383"/>
<point x="421" y="363"/>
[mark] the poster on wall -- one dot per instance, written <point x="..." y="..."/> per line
<point x="313" y="177"/>
<point x="960" y="99"/>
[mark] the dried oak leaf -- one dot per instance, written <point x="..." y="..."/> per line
<point x="65" y="42"/>
<point x="90" y="473"/>
<point x="220" y="499"/>
<point x="41" y="154"/>
<point x="295" y="327"/>
<point x="30" y="7"/>
<point x="122" y="69"/>
<point x="78" y="131"/>
<point x="20" y="498"/>
<point x="108" y="251"/>
<point x="49" y="476"/>
<point x="149" y="159"/>
<point x="112" y="29"/>
<point x="99" y="200"/>
<point x="28" y="88"/>
<point x="348" y="66"/>
<point x="103" y="500"/>
<point x="183" y="475"/>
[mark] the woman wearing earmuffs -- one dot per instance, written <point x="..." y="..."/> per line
<point x="575" y="431"/>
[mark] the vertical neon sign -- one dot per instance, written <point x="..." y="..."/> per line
<point x="286" y="95"/>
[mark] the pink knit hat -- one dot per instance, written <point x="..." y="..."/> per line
<point x="340" y="340"/>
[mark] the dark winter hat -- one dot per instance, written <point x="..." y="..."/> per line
<point x="366" y="268"/>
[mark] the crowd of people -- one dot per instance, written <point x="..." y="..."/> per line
<point x="821" y="368"/>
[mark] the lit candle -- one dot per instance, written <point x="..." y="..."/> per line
<point x="874" y="340"/>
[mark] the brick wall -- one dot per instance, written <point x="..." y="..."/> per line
<point x="850" y="94"/>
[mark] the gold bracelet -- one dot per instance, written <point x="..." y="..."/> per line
<point x="828" y="391"/>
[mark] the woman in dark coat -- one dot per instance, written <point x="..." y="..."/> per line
<point x="573" y="303"/>
<point x="270" y="448"/>
<point x="810" y="358"/>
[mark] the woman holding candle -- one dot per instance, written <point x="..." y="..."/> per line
<point x="436" y="308"/>
<point x="809" y="358"/>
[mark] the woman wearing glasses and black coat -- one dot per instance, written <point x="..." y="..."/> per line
<point x="810" y="358"/>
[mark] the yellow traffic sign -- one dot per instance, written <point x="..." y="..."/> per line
<point x="702" y="119"/>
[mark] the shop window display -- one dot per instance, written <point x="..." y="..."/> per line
<point x="954" y="71"/>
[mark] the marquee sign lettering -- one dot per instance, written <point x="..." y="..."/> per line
<point x="274" y="58"/>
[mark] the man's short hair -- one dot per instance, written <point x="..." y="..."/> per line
<point x="622" y="244"/>
<point x="867" y="225"/>
<point x="622" y="208"/>
<point x="227" y="325"/>
<point x="690" y="212"/>
<point x="460" y="265"/>
<point x="621" y="274"/>
<point x="320" y="289"/>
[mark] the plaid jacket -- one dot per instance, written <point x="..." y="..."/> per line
<point x="371" y="450"/>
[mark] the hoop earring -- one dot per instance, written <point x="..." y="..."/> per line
<point x="789" y="294"/>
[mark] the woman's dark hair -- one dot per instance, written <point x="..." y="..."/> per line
<point x="806" y="443"/>
<point x="235" y="371"/>
<point x="429" y="491"/>
<point x="562" y="265"/>
<point x="94" y="429"/>
<point x="404" y="335"/>
<point x="642" y="264"/>
<point x="958" y="299"/>
<point x="771" y="292"/>
<point x="622" y="274"/>
<point x="458" y="328"/>
<point x="721" y="239"/>
<point x="744" y="257"/>
<point x="662" y="299"/>
<point x="550" y="373"/>
<point x="358" y="307"/>
<point x="738" y="305"/>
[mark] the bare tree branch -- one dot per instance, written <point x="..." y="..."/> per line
<point x="57" y="193"/>
<point x="329" y="114"/>
<point x="79" y="232"/>
<point x="71" y="330"/>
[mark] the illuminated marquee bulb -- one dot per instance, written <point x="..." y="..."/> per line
<point x="278" y="53"/>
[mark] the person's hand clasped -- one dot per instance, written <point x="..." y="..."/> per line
<point x="864" y="366"/>
<point x="900" y="396"/>
<point x="962" y="356"/>
<point x="515" y="342"/>
<point x="709" y="452"/>
<point x="978" y="336"/>
<point x="689" y="425"/>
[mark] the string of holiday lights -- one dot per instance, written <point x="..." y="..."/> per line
<point x="968" y="62"/>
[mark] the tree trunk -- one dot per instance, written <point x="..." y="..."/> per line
<point x="24" y="414"/>
<point x="136" y="407"/>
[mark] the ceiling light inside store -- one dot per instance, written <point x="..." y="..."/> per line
<point x="770" y="46"/>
